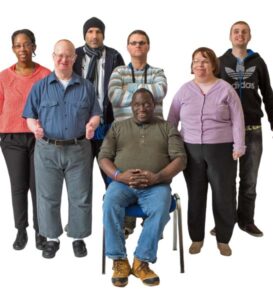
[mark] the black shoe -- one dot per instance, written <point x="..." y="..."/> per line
<point x="50" y="249"/>
<point x="79" y="248"/>
<point x="21" y="240"/>
<point x="40" y="241"/>
<point x="127" y="232"/>
<point x="213" y="231"/>
<point x="251" y="229"/>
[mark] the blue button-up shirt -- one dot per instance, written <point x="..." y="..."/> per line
<point x="62" y="112"/>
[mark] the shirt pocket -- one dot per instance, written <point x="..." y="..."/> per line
<point x="222" y="113"/>
<point x="80" y="112"/>
<point x="48" y="111"/>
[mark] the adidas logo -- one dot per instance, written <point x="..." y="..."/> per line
<point x="241" y="74"/>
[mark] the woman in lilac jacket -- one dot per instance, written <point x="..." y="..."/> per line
<point x="212" y="127"/>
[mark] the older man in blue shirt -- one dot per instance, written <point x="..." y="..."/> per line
<point x="62" y="111"/>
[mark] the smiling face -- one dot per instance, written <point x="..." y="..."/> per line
<point x="64" y="56"/>
<point x="202" y="67"/>
<point x="143" y="107"/>
<point x="23" y="48"/>
<point x="240" y="35"/>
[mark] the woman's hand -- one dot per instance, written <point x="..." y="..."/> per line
<point x="237" y="154"/>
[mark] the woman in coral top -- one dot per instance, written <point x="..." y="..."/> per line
<point x="17" y="142"/>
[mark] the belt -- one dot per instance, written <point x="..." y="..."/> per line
<point x="253" y="127"/>
<point x="64" y="142"/>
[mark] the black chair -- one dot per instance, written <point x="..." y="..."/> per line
<point x="136" y="211"/>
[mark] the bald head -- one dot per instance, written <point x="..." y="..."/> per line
<point x="64" y="56"/>
<point x="64" y="44"/>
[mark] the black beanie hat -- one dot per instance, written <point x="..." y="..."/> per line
<point x="93" y="22"/>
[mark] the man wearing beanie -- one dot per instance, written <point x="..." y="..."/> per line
<point x="95" y="62"/>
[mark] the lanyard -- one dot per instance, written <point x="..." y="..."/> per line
<point x="133" y="73"/>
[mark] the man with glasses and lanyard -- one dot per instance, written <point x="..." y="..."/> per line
<point x="125" y="80"/>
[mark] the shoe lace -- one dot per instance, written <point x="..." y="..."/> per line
<point x="144" y="267"/>
<point x="119" y="266"/>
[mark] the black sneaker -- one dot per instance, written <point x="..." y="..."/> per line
<point x="79" y="248"/>
<point x="251" y="229"/>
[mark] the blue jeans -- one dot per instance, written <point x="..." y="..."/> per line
<point x="53" y="164"/>
<point x="155" y="202"/>
<point x="249" y="166"/>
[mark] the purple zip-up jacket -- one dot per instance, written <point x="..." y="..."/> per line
<point x="214" y="118"/>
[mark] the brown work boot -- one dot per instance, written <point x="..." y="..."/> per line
<point x="122" y="270"/>
<point x="196" y="247"/>
<point x="142" y="271"/>
<point x="224" y="249"/>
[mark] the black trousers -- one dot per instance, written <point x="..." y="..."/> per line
<point x="211" y="164"/>
<point x="95" y="145"/>
<point x="249" y="167"/>
<point x="18" y="150"/>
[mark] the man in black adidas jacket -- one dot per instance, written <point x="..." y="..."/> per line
<point x="247" y="72"/>
<point x="95" y="62"/>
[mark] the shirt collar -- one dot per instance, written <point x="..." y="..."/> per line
<point x="75" y="79"/>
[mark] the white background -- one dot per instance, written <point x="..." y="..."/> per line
<point x="176" y="29"/>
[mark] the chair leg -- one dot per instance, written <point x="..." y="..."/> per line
<point x="175" y="230"/>
<point x="180" y="235"/>
<point x="103" y="253"/>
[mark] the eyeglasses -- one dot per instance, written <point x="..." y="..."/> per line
<point x="63" y="56"/>
<point x="141" y="43"/>
<point x="201" y="62"/>
<point x="24" y="46"/>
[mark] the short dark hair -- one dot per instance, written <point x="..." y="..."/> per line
<point x="141" y="32"/>
<point x="27" y="32"/>
<point x="210" y="54"/>
<point x="143" y="91"/>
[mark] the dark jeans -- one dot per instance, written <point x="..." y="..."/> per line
<point x="249" y="166"/>
<point x="211" y="164"/>
<point x="18" y="149"/>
